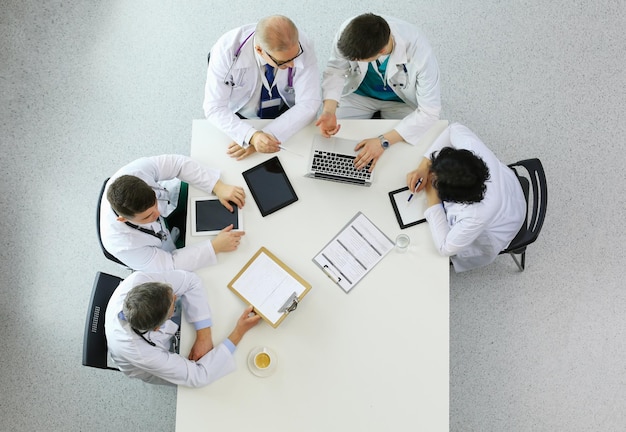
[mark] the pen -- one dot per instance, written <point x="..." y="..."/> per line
<point x="290" y="151"/>
<point x="419" y="182"/>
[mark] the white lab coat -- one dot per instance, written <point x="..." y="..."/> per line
<point x="155" y="364"/>
<point x="474" y="234"/>
<point x="144" y="252"/>
<point x="222" y="101"/>
<point x="421" y="92"/>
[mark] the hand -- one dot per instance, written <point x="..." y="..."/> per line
<point x="264" y="142"/>
<point x="227" y="240"/>
<point x="432" y="196"/>
<point x="414" y="176"/>
<point x="246" y="321"/>
<point x="227" y="193"/>
<point x="236" y="151"/>
<point x="202" y="345"/>
<point x="371" y="150"/>
<point x="327" y="122"/>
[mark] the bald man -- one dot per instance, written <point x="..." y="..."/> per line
<point x="266" y="70"/>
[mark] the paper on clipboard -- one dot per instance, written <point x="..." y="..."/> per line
<point x="407" y="212"/>
<point x="267" y="284"/>
<point x="352" y="253"/>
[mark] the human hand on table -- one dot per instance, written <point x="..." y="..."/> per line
<point x="371" y="150"/>
<point x="229" y="193"/>
<point x="238" y="152"/>
<point x="246" y="321"/>
<point x="227" y="240"/>
<point x="420" y="173"/>
<point x="202" y="345"/>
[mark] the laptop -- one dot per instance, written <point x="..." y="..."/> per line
<point x="333" y="159"/>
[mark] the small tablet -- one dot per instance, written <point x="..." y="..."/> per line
<point x="270" y="187"/>
<point x="209" y="216"/>
<point x="407" y="212"/>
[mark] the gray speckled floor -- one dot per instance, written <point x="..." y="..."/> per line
<point x="88" y="86"/>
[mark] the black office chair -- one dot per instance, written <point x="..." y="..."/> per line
<point x="95" y="352"/>
<point x="530" y="173"/>
<point x="106" y="252"/>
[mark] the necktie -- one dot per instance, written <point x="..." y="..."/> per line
<point x="269" y="107"/>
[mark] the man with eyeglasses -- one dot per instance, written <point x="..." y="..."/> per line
<point x="140" y="329"/>
<point x="143" y="202"/>
<point x="268" y="70"/>
<point x="380" y="65"/>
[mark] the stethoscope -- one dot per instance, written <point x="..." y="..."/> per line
<point x="403" y="84"/>
<point x="229" y="82"/>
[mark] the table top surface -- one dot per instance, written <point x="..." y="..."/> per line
<point x="376" y="358"/>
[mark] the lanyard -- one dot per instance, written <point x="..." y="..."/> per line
<point x="161" y="235"/>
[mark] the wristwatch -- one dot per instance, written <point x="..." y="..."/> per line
<point x="383" y="142"/>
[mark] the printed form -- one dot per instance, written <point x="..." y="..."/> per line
<point x="358" y="247"/>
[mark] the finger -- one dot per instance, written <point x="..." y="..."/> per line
<point x="360" y="145"/>
<point x="318" y="122"/>
<point x="226" y="204"/>
<point x="228" y="228"/>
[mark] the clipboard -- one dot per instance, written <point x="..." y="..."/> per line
<point x="353" y="252"/>
<point x="272" y="288"/>
<point x="408" y="213"/>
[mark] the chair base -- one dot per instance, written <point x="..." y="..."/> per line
<point x="521" y="264"/>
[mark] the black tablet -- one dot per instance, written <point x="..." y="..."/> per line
<point x="270" y="187"/>
<point x="209" y="216"/>
<point x="409" y="212"/>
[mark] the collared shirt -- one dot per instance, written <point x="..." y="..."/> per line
<point x="243" y="85"/>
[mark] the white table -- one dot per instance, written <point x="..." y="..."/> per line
<point x="376" y="359"/>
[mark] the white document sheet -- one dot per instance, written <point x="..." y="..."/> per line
<point x="267" y="286"/>
<point x="353" y="252"/>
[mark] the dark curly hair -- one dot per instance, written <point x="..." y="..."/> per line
<point x="459" y="175"/>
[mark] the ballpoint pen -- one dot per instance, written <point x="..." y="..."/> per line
<point x="290" y="151"/>
<point x="419" y="182"/>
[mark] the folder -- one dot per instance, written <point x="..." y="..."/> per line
<point x="272" y="288"/>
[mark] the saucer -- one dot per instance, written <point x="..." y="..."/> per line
<point x="263" y="373"/>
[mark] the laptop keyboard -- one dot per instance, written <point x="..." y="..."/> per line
<point x="339" y="165"/>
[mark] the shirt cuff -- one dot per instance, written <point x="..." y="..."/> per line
<point x="199" y="325"/>
<point x="229" y="345"/>
<point x="248" y="137"/>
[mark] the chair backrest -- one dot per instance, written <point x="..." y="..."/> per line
<point x="533" y="180"/>
<point x="106" y="252"/>
<point x="94" y="340"/>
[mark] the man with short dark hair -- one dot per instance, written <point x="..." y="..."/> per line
<point x="380" y="65"/>
<point x="139" y="330"/>
<point x="139" y="197"/>
<point x="476" y="205"/>
<point x="266" y="70"/>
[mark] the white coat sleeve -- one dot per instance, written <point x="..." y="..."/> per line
<point x="334" y="76"/>
<point x="428" y="96"/>
<point x="166" y="367"/>
<point x="189" y="288"/>
<point x="306" y="84"/>
<point x="171" y="166"/>
<point x="151" y="258"/>
<point x="451" y="240"/>
<point x="217" y="95"/>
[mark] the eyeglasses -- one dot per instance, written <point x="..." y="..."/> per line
<point x="281" y="63"/>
